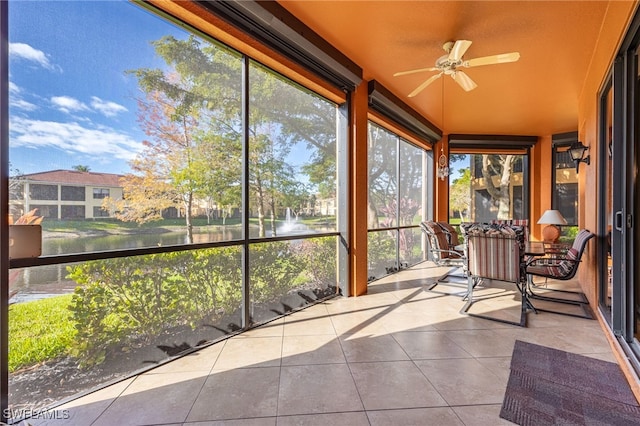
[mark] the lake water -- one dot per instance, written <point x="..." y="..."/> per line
<point x="45" y="281"/>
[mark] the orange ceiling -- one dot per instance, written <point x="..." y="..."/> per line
<point x="538" y="95"/>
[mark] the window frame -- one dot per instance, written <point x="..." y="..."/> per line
<point x="562" y="140"/>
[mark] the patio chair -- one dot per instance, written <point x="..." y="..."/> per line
<point x="496" y="252"/>
<point x="441" y="246"/>
<point x="561" y="265"/>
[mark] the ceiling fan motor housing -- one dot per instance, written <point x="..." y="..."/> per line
<point x="445" y="65"/>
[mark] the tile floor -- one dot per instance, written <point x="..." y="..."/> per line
<point x="398" y="356"/>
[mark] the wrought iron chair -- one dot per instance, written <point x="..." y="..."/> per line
<point x="442" y="241"/>
<point x="562" y="266"/>
<point x="496" y="252"/>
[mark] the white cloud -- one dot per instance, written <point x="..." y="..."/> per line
<point x="68" y="104"/>
<point x="26" y="52"/>
<point x="22" y="104"/>
<point x="72" y="138"/>
<point x="107" y="108"/>
<point x="16" y="101"/>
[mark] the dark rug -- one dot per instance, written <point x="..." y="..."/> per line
<point x="552" y="387"/>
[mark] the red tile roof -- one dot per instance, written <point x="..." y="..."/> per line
<point x="75" y="177"/>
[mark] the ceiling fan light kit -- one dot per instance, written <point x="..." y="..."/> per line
<point x="452" y="61"/>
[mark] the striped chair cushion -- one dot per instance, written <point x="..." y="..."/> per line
<point x="438" y="241"/>
<point x="451" y="233"/>
<point x="515" y="231"/>
<point x="560" y="269"/>
<point x="581" y="240"/>
<point x="494" y="255"/>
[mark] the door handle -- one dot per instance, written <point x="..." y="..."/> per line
<point x="618" y="221"/>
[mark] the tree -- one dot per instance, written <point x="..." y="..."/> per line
<point x="502" y="167"/>
<point x="202" y="87"/>
<point x="382" y="176"/>
<point x="460" y="195"/>
<point x="187" y="108"/>
<point x="164" y="175"/>
<point x="81" y="168"/>
<point x="16" y="191"/>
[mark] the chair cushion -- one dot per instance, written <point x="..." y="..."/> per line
<point x="494" y="254"/>
<point x="438" y="241"/>
<point x="560" y="269"/>
<point x="451" y="233"/>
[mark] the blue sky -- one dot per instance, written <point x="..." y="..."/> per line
<point x="71" y="102"/>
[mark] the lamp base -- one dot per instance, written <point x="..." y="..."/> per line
<point x="550" y="234"/>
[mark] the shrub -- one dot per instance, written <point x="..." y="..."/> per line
<point x="134" y="299"/>
<point x="275" y="269"/>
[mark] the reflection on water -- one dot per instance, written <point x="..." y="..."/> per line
<point x="54" y="246"/>
<point x="45" y="281"/>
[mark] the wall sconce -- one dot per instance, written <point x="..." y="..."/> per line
<point x="576" y="151"/>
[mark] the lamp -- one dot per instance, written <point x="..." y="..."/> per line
<point x="551" y="218"/>
<point x="576" y="151"/>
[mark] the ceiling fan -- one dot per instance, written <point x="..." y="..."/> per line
<point x="451" y="63"/>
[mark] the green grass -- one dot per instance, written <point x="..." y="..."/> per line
<point x="39" y="330"/>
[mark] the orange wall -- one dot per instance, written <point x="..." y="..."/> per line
<point x="540" y="187"/>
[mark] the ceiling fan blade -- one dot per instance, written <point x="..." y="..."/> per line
<point x="458" y="50"/>
<point x="464" y="81"/>
<point x="494" y="59"/>
<point x="414" y="71"/>
<point x="424" y="85"/>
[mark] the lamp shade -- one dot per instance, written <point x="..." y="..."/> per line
<point x="552" y="217"/>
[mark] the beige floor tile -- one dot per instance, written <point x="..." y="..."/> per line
<point x="250" y="352"/>
<point x="464" y="381"/>
<point x="318" y="310"/>
<point x="347" y="419"/>
<point x="314" y="389"/>
<point x="429" y="345"/>
<point x="85" y="410"/>
<point x="439" y="416"/>
<point x="308" y="350"/>
<point x="154" y="398"/>
<point x="481" y="415"/>
<point x="500" y="366"/>
<point x="202" y="360"/>
<point x="389" y="385"/>
<point x="372" y="348"/>
<point x="273" y="328"/>
<point x="411" y="321"/>
<point x="260" y="421"/>
<point x="237" y="394"/>
<point x="483" y="343"/>
<point x="440" y="308"/>
<point x="361" y="323"/>
<point x="303" y="325"/>
<point x="458" y="321"/>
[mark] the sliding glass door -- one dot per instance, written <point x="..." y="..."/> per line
<point x="619" y="288"/>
